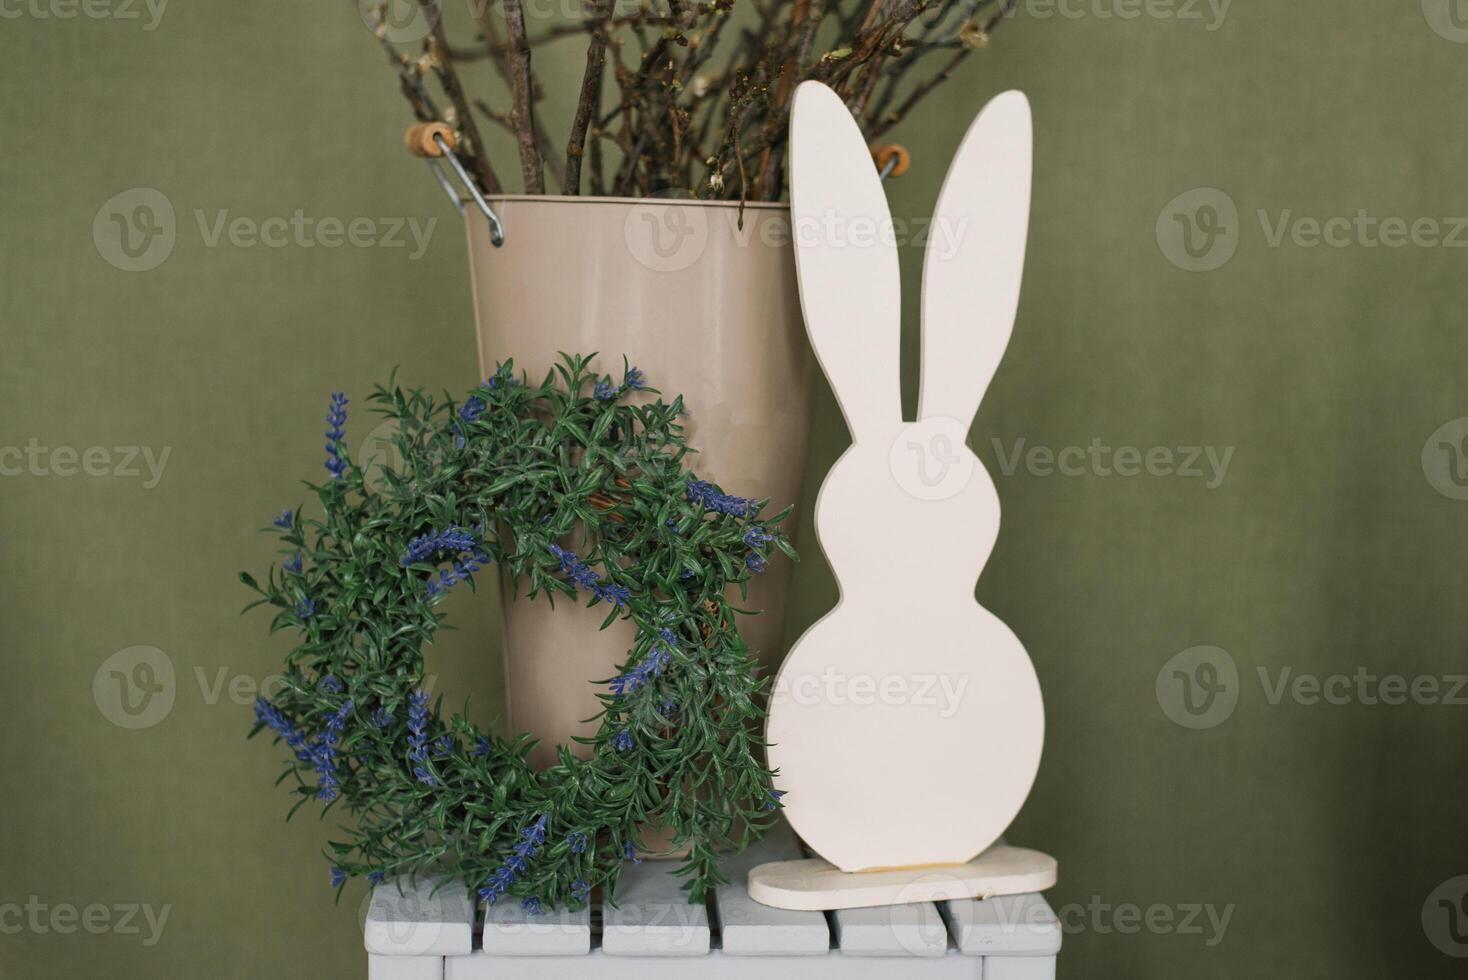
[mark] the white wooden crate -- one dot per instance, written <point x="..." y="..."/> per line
<point x="655" y="933"/>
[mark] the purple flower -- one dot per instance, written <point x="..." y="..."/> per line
<point x="632" y="380"/>
<point x="755" y="562"/>
<point x="617" y="595"/>
<point x="336" y="417"/>
<point x="322" y="752"/>
<point x="481" y="747"/>
<point x="472" y="408"/>
<point x="304" y="609"/>
<point x="425" y="546"/>
<point x="338" y="877"/>
<point x="381" y="717"/>
<point x="504" y="876"/>
<point x="499" y="879"/>
<point x="757" y="537"/>
<point x="622" y="741"/>
<point x="319" y="752"/>
<point x="710" y="497"/>
<point x="580" y="890"/>
<point x="292" y="564"/>
<point x="650" y="667"/>
<point x="774" y="800"/>
<point x="417" y="726"/>
<point x="668" y="709"/>
<point x="629" y="853"/>
<point x="285" y="521"/>
<point x="531" y="905"/>
<point x="329" y="683"/>
<point x="577" y="842"/>
<point x="374" y="877"/>
<point x="270" y="716"/>
<point x="464" y="566"/>
<point x="422" y="774"/>
<point x="580" y="574"/>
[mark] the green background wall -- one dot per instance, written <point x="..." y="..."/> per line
<point x="1320" y="829"/>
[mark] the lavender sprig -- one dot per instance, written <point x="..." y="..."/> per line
<point x="501" y="878"/>
<point x="632" y="380"/>
<point x="336" y="417"/>
<point x="710" y="497"/>
<point x="578" y="573"/>
<point x="425" y="546"/>
<point x="417" y="726"/>
<point x="323" y="753"/>
<point x="464" y="566"/>
<point x="651" y="666"/>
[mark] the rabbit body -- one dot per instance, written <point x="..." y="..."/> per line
<point x="907" y="724"/>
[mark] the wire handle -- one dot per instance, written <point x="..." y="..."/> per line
<point x="435" y="141"/>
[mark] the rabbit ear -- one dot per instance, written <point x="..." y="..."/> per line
<point x="846" y="259"/>
<point x="975" y="259"/>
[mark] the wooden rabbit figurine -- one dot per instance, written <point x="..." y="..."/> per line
<point x="906" y="724"/>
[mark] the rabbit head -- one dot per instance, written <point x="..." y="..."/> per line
<point x="925" y="503"/>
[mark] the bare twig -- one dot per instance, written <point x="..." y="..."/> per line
<point x="686" y="103"/>
<point x="437" y="45"/>
<point x="590" y="95"/>
<point x="522" y="87"/>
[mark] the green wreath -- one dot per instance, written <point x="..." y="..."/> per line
<point x="502" y="478"/>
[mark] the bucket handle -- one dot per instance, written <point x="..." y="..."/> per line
<point x="434" y="141"/>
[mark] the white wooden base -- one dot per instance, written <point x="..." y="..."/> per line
<point x="655" y="934"/>
<point x="813" y="884"/>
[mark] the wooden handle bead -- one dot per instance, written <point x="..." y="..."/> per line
<point x="419" y="138"/>
<point x="894" y="153"/>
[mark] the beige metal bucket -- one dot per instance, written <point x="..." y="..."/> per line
<point x="707" y="309"/>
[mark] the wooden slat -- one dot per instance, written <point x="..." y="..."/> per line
<point x="748" y="928"/>
<point x="381" y="967"/>
<point x="1011" y="925"/>
<point x="511" y="931"/>
<point x="894" y="930"/>
<point x="653" y="916"/>
<point x="1019" y="967"/>
<point x="419" y="918"/>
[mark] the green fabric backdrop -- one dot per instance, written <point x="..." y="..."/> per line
<point x="1317" y="831"/>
